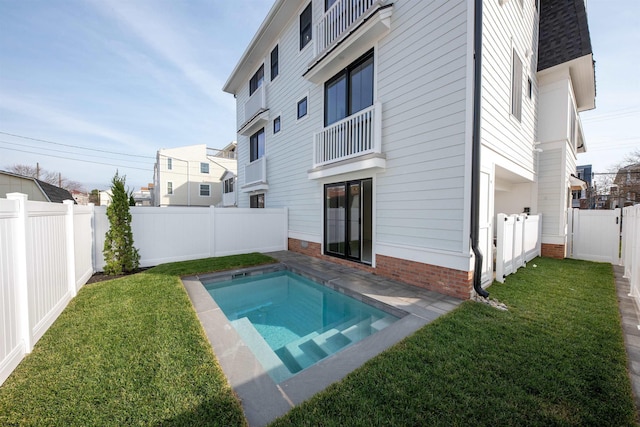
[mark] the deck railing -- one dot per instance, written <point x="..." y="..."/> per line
<point x="338" y="19"/>
<point x="353" y="136"/>
<point x="256" y="171"/>
<point x="255" y="103"/>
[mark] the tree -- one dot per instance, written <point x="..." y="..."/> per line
<point x="94" y="197"/>
<point x="53" y="178"/>
<point x="119" y="253"/>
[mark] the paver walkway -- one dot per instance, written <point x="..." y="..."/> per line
<point x="630" y="323"/>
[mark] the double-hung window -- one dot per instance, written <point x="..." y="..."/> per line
<point x="169" y="163"/>
<point x="349" y="91"/>
<point x="169" y="187"/>
<point x="205" y="190"/>
<point x="274" y="63"/>
<point x="204" y="167"/>
<point x="256" y="144"/>
<point x="257" y="80"/>
<point x="516" y="86"/>
<point x="305" y="26"/>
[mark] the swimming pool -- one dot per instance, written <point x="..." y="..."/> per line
<point x="291" y="322"/>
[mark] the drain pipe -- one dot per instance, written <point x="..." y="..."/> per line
<point x="475" y="153"/>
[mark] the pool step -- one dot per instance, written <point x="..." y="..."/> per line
<point x="359" y="330"/>
<point x="382" y="323"/>
<point x="331" y="341"/>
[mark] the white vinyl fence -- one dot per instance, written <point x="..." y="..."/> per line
<point x="594" y="235"/>
<point x="631" y="249"/>
<point x="518" y="241"/>
<point x="48" y="251"/>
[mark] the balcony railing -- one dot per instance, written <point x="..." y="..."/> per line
<point x="353" y="136"/>
<point x="338" y="19"/>
<point x="255" y="103"/>
<point x="255" y="172"/>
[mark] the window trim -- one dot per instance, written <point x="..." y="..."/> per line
<point x="308" y="27"/>
<point x="207" y="186"/>
<point x="203" y="166"/>
<point x="276" y="62"/>
<point x="304" y="101"/>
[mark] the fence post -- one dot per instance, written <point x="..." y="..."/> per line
<point x="22" y="282"/>
<point x="71" y="252"/>
<point x="212" y="231"/>
<point x="286" y="228"/>
<point x="93" y="236"/>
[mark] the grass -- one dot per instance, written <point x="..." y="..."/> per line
<point x="131" y="352"/>
<point x="128" y="351"/>
<point x="556" y="358"/>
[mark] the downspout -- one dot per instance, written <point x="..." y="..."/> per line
<point x="475" y="151"/>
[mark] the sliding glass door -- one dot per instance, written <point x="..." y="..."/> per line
<point x="348" y="213"/>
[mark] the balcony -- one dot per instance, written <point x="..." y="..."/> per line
<point x="352" y="144"/>
<point x="346" y="31"/>
<point x="255" y="176"/>
<point x="255" y="112"/>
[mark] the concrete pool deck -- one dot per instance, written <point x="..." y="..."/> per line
<point x="262" y="399"/>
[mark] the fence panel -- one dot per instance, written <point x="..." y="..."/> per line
<point x="595" y="235"/>
<point x="12" y="345"/>
<point x="631" y="249"/>
<point x="83" y="243"/>
<point x="239" y="231"/>
<point x="518" y="241"/>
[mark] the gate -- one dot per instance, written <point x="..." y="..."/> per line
<point x="594" y="235"/>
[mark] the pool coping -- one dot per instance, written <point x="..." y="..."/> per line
<point x="262" y="399"/>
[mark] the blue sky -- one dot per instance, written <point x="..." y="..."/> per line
<point x="126" y="78"/>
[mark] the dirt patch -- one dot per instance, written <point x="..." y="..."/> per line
<point x="101" y="276"/>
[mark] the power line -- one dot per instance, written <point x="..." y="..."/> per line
<point x="76" y="146"/>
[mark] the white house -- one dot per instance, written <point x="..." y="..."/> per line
<point x="193" y="175"/>
<point x="395" y="132"/>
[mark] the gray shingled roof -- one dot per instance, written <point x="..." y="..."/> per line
<point x="564" y="32"/>
<point x="55" y="194"/>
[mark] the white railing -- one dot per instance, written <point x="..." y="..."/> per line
<point x="48" y="251"/>
<point x="229" y="199"/>
<point x="256" y="102"/>
<point x="256" y="171"/>
<point x="631" y="249"/>
<point x="338" y="19"/>
<point x="518" y="241"/>
<point x="354" y="136"/>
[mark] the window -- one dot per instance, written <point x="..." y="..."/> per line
<point x="302" y="107"/>
<point x="516" y="86"/>
<point x="257" y="201"/>
<point x="349" y="91"/>
<point x="204" y="167"/>
<point x="205" y="190"/>
<point x="305" y="26"/>
<point x="529" y="87"/>
<point x="274" y="62"/>
<point x="169" y="187"/>
<point x="328" y="4"/>
<point x="228" y="185"/>
<point x="256" y="144"/>
<point x="257" y="80"/>
<point x="276" y="125"/>
<point x="169" y="163"/>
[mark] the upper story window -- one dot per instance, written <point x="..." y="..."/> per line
<point x="274" y="63"/>
<point x="205" y="190"/>
<point x="257" y="80"/>
<point x="305" y="26"/>
<point x="228" y="185"/>
<point x="516" y="86"/>
<point x="302" y="107"/>
<point x="349" y="91"/>
<point x="256" y="143"/>
<point x="169" y="187"/>
<point x="204" y="167"/>
<point x="276" y="125"/>
<point x="169" y="163"/>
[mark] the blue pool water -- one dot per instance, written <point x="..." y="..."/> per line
<point x="291" y="322"/>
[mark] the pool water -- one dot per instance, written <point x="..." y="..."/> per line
<point x="291" y="322"/>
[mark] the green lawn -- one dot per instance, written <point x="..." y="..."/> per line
<point x="128" y="351"/>
<point x="131" y="351"/>
<point x="556" y="358"/>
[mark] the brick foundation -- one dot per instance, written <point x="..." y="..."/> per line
<point x="550" y="250"/>
<point x="444" y="280"/>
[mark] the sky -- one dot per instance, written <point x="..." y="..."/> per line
<point x="91" y="87"/>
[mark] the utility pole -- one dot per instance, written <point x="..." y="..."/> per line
<point x="37" y="170"/>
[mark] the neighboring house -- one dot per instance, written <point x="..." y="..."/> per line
<point x="144" y="196"/>
<point x="35" y="189"/>
<point x="192" y="175"/>
<point x="80" y="197"/>
<point x="627" y="182"/>
<point x="105" y="197"/>
<point x="393" y="149"/>
<point x="583" y="198"/>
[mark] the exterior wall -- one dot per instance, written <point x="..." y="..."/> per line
<point x="186" y="177"/>
<point x="14" y="184"/>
